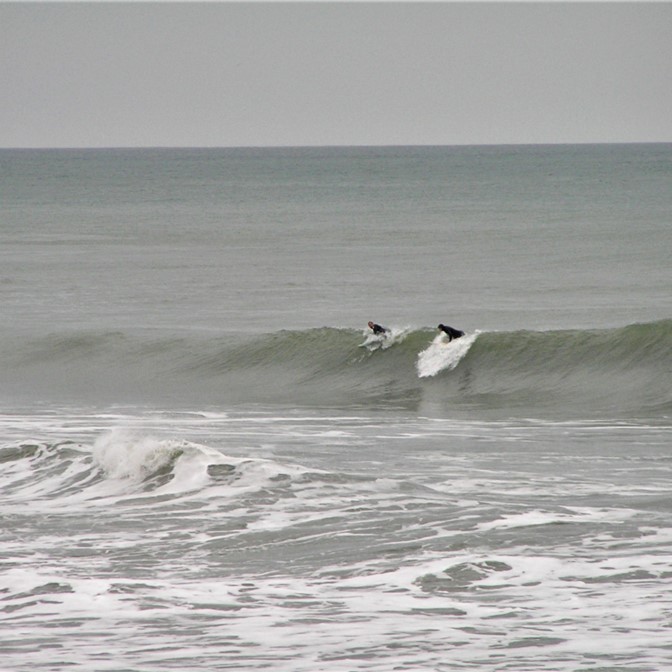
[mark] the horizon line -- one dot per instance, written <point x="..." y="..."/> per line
<point x="335" y="146"/>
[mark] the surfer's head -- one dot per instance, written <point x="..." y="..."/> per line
<point x="441" y="326"/>
<point x="370" y="324"/>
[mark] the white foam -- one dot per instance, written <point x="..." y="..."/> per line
<point x="424" y="542"/>
<point x="443" y="355"/>
<point x="124" y="454"/>
<point x="535" y="517"/>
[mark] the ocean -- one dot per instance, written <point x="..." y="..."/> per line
<point x="209" y="462"/>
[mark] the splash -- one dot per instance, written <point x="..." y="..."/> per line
<point x="384" y="341"/>
<point x="443" y="355"/>
<point x="123" y="454"/>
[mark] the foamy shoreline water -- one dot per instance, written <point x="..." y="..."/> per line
<point x="363" y="541"/>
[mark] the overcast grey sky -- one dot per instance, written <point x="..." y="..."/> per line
<point x="240" y="74"/>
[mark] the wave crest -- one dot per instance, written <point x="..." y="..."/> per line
<point x="601" y="371"/>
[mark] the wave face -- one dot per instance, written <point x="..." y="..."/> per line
<point x="623" y="371"/>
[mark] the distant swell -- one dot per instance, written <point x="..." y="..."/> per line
<point x="623" y="371"/>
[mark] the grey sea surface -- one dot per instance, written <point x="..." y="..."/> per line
<point x="487" y="237"/>
<point x="208" y="462"/>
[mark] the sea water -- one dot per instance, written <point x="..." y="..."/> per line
<point x="208" y="462"/>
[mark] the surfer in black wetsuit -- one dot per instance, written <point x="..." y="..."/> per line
<point x="376" y="328"/>
<point x="450" y="332"/>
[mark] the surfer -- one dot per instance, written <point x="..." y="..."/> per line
<point x="450" y="332"/>
<point x="376" y="328"/>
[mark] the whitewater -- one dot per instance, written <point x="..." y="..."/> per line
<point x="208" y="462"/>
<point x="226" y="541"/>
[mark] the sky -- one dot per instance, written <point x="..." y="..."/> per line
<point x="229" y="74"/>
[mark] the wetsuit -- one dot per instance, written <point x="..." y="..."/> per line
<point x="377" y="329"/>
<point x="450" y="332"/>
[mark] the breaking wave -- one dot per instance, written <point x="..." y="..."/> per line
<point x="607" y="371"/>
